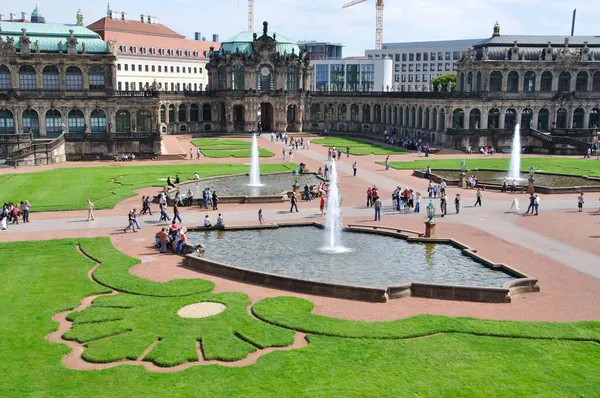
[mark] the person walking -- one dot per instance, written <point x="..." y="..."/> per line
<point x="369" y="197"/>
<point x="294" y="202"/>
<point x="130" y="219"/>
<point x="580" y="201"/>
<point x="536" y="204"/>
<point x="25" y="206"/>
<point x="261" y="220"/>
<point x="197" y="156"/>
<point x="377" y="204"/>
<point x="457" y="203"/>
<point x="191" y="154"/>
<point x="91" y="209"/>
<point x="326" y="172"/>
<point x="135" y="220"/>
<point x="215" y="201"/>
<point x="291" y="155"/>
<point x="418" y="203"/>
<point x="354" y="168"/>
<point x="479" y="197"/>
<point x="176" y="214"/>
<point x="443" y="205"/>
<point x="387" y="163"/>
<point x="283" y="153"/>
<point x="347" y="152"/>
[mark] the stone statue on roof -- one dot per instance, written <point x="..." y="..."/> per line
<point x="37" y="46"/>
<point x="265" y="28"/>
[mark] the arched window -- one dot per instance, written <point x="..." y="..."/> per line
<point x="124" y="48"/>
<point x="144" y="122"/>
<point x="163" y="112"/>
<point x="171" y="113"/>
<point x="474" y="119"/>
<point x="512" y="82"/>
<point x="510" y="118"/>
<point x="74" y="79"/>
<point x="5" y="83"/>
<point x="194" y="113"/>
<point x="133" y="49"/>
<point x="144" y="50"/>
<point x="564" y="82"/>
<point x="581" y="82"/>
<point x="596" y="82"/>
<point x="458" y="119"/>
<point x="206" y="113"/>
<point x="315" y="113"/>
<point x="27" y="80"/>
<point x="546" y="82"/>
<point x="366" y="113"/>
<point x="7" y="122"/>
<point x="493" y="118"/>
<point x="529" y="82"/>
<point x="76" y="121"/>
<point x="96" y="78"/>
<point x="544" y="119"/>
<point x="527" y="118"/>
<point x="182" y="113"/>
<point x="328" y="112"/>
<point x="237" y="77"/>
<point x="495" y="82"/>
<point x="342" y="113"/>
<point x="265" y="78"/>
<point x="122" y="121"/>
<point x="54" y="125"/>
<point x="292" y="79"/>
<point x="561" y="118"/>
<point x="594" y="118"/>
<point x="578" y="116"/>
<point x="50" y="78"/>
<point x="98" y="120"/>
<point x="31" y="122"/>
<point x="354" y="113"/>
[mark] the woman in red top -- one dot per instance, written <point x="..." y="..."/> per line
<point x="369" y="197"/>
<point x="15" y="214"/>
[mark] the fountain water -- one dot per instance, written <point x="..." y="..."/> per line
<point x="254" y="165"/>
<point x="333" y="218"/>
<point x="514" y="172"/>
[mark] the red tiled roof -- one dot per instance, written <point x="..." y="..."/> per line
<point x="139" y="34"/>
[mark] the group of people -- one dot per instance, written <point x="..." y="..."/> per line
<point x="334" y="153"/>
<point x="126" y="157"/>
<point x="191" y="153"/>
<point x="11" y="213"/>
<point x="173" y="237"/>
<point x="406" y="199"/>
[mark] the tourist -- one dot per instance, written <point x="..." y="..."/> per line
<point x="197" y="153"/>
<point x="173" y="230"/>
<point x="291" y="155"/>
<point x="457" y="203"/>
<point x="196" y="176"/>
<point x="4" y="218"/>
<point x="347" y="152"/>
<point x="435" y="191"/>
<point x="163" y="239"/>
<point x="536" y="204"/>
<point x="479" y="197"/>
<point x="215" y="201"/>
<point x="354" y="168"/>
<point x="302" y="167"/>
<point x="176" y="214"/>
<point x="377" y="204"/>
<point x="443" y="186"/>
<point x="430" y="190"/>
<point x="427" y="172"/>
<point x="418" y="203"/>
<point x="307" y="144"/>
<point x="411" y="199"/>
<point x="307" y="196"/>
<point x="294" y="203"/>
<point x="325" y="175"/>
<point x="531" y="206"/>
<point x="329" y="155"/>
<point x="261" y="220"/>
<point x="207" y="223"/>
<point x="220" y="221"/>
<point x="443" y="205"/>
<point x="283" y="154"/>
<point x="191" y="154"/>
<point x="91" y="209"/>
<point x="339" y="154"/>
<point x="164" y="216"/>
<point x="369" y="197"/>
<point x="209" y="197"/>
<point x="503" y="185"/>
<point x="272" y="137"/>
<point x="320" y="172"/>
<point x="169" y="183"/>
<point x="387" y="163"/>
<point x="189" y="198"/>
<point x="131" y="224"/>
<point x="25" y="207"/>
<point x="182" y="240"/>
<point x="135" y="220"/>
<point x="580" y="201"/>
<point x="322" y="205"/>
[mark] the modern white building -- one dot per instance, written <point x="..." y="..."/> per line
<point x="151" y="55"/>
<point x="415" y="64"/>
<point x="352" y="74"/>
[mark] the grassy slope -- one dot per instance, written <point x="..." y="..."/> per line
<point x="69" y="188"/>
<point x="358" y="147"/>
<point x="225" y="148"/>
<point x="42" y="278"/>
<point x="576" y="166"/>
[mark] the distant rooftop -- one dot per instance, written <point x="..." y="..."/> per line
<point x="533" y="40"/>
<point x="431" y="44"/>
<point x="322" y="43"/>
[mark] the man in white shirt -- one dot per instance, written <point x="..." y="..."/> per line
<point x="207" y="223"/>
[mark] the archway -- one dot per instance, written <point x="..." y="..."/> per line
<point x="291" y="117"/>
<point x="474" y="119"/>
<point x="98" y="121"/>
<point x="493" y="118"/>
<point x="458" y="119"/>
<point x="561" y="118"/>
<point x="266" y="116"/>
<point x="31" y="122"/>
<point x="527" y="118"/>
<point x="578" y="116"/>
<point x="143" y="122"/>
<point x="315" y="113"/>
<point x="54" y="125"/>
<point x="510" y="118"/>
<point x="7" y="122"/>
<point x="594" y="118"/>
<point x="239" y="116"/>
<point x="544" y="119"/>
<point x="122" y="122"/>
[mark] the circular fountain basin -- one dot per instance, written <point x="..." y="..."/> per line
<point x="541" y="179"/>
<point x="238" y="185"/>
<point x="374" y="261"/>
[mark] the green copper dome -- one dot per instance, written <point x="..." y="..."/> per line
<point x="243" y="42"/>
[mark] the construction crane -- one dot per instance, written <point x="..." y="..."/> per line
<point x="251" y="16"/>
<point x="379" y="18"/>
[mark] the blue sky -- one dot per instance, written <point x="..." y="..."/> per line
<point x="354" y="27"/>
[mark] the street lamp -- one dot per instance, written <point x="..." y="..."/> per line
<point x="431" y="212"/>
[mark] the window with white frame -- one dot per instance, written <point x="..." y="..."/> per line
<point x="133" y="49"/>
<point x="124" y="48"/>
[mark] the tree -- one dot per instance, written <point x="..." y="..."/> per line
<point x="440" y="83"/>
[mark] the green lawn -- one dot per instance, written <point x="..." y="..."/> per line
<point x="575" y="166"/>
<point x="225" y="148"/>
<point x="358" y="147"/>
<point x="40" y="279"/>
<point x="69" y="188"/>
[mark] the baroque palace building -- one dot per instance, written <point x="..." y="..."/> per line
<point x="57" y="79"/>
